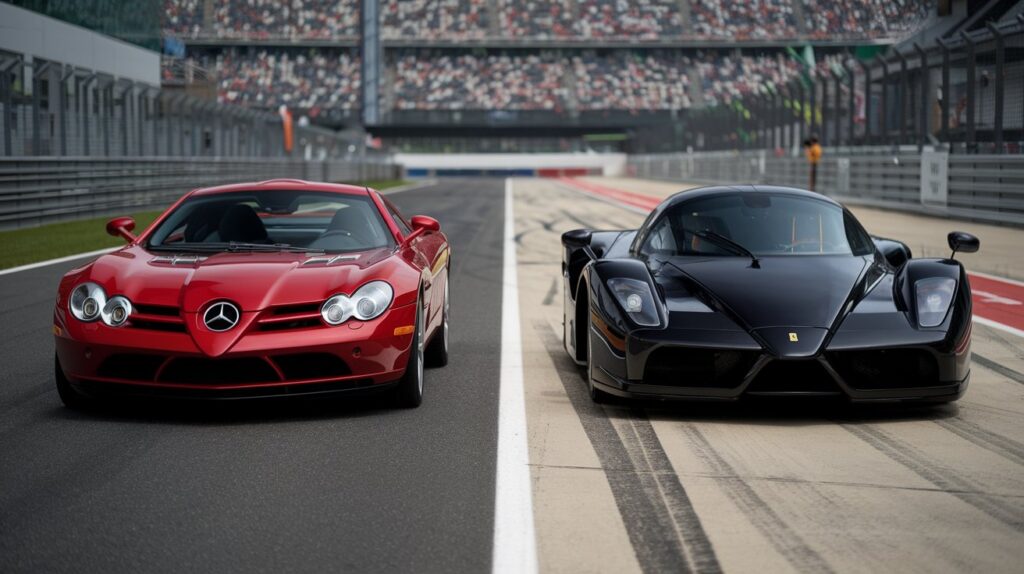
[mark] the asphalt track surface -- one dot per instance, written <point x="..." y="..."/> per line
<point x="329" y="485"/>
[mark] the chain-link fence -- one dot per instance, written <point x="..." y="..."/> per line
<point x="965" y="94"/>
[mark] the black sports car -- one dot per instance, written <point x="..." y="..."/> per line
<point x="726" y="292"/>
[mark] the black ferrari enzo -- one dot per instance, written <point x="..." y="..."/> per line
<point x="727" y="292"/>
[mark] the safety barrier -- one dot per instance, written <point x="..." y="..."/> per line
<point x="978" y="187"/>
<point x="35" y="191"/>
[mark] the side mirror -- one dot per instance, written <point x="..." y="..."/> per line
<point x="420" y="225"/>
<point x="122" y="227"/>
<point x="578" y="238"/>
<point x="963" y="242"/>
<point x="895" y="252"/>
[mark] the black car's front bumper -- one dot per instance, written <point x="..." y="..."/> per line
<point x="729" y="365"/>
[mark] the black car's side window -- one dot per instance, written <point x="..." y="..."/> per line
<point x="660" y="239"/>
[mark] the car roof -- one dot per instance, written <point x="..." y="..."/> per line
<point x="687" y="195"/>
<point x="285" y="185"/>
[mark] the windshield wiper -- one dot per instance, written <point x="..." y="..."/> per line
<point x="233" y="246"/>
<point x="726" y="243"/>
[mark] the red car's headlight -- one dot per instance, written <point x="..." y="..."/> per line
<point x="87" y="302"/>
<point x="368" y="302"/>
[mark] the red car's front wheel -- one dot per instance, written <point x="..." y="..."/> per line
<point x="410" y="387"/>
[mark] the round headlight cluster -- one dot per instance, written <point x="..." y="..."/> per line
<point x="89" y="302"/>
<point x="368" y="302"/>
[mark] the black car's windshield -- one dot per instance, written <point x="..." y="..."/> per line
<point x="273" y="220"/>
<point x="759" y="222"/>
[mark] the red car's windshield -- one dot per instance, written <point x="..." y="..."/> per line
<point x="319" y="221"/>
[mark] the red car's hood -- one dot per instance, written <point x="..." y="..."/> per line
<point x="254" y="281"/>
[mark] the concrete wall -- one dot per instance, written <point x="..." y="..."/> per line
<point x="37" y="36"/>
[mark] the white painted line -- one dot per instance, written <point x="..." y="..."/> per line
<point x="515" y="544"/>
<point x="997" y="325"/>
<point x="997" y="278"/>
<point x="57" y="260"/>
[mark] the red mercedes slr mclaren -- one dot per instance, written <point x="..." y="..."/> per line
<point x="282" y="287"/>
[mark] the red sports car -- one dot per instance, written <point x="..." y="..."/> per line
<point x="282" y="287"/>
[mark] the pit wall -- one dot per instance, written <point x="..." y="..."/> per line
<point x="986" y="188"/>
<point x="512" y="164"/>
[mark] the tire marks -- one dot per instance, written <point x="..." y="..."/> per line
<point x="961" y="487"/>
<point x="664" y="530"/>
<point x="783" y="538"/>
<point x="1007" y="448"/>
<point x="998" y="368"/>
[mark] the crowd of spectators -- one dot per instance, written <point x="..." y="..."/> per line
<point x="303" y="79"/>
<point x="633" y="20"/>
<point x="725" y="77"/>
<point x="433" y="81"/>
<point x="747" y="20"/>
<point x="864" y="18"/>
<point x="625" y="80"/>
<point x="182" y="18"/>
<point x="435" y="19"/>
<point x="540" y="19"/>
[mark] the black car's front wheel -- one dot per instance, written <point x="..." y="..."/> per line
<point x="71" y="397"/>
<point x="409" y="392"/>
<point x="596" y="394"/>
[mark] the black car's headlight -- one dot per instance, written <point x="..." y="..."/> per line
<point x="87" y="302"/>
<point x="934" y="296"/>
<point x="368" y="302"/>
<point x="636" y="300"/>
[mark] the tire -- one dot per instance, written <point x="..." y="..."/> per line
<point x="72" y="398"/>
<point x="596" y="394"/>
<point x="437" y="351"/>
<point x="409" y="393"/>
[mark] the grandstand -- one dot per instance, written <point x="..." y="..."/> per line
<point x="456" y="70"/>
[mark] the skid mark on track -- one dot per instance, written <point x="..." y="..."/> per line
<point x="549" y="298"/>
<point x="958" y="486"/>
<point x="664" y="529"/>
<point x="999" y="368"/>
<point x="1005" y="447"/>
<point x="784" y="539"/>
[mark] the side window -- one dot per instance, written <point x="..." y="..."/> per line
<point x="660" y="239"/>
<point x="402" y="225"/>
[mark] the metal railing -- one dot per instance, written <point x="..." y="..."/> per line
<point x="35" y="191"/>
<point x="964" y="93"/>
<point x="977" y="187"/>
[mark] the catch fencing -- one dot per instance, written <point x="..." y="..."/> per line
<point x="35" y="191"/>
<point x="978" y="187"/>
<point x="962" y="93"/>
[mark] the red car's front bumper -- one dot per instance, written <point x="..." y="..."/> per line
<point x="277" y="354"/>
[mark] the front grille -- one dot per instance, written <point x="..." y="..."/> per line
<point x="304" y="366"/>
<point x="130" y="367"/>
<point x="290" y="317"/>
<point x="795" y="376"/>
<point x="706" y="368"/>
<point x="157" y="326"/>
<point x="886" y="368"/>
<point x="291" y="325"/>
<point x="160" y="310"/>
<point x="195" y="370"/>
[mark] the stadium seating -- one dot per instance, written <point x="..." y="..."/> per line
<point x="307" y="79"/>
<point x="630" y="81"/>
<point x="448" y="19"/>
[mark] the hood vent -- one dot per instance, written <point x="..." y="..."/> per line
<point x="329" y="260"/>
<point x="179" y="259"/>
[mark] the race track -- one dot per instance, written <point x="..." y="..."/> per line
<point x="276" y="487"/>
<point x="645" y="487"/>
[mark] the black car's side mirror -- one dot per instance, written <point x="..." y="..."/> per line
<point x="895" y="252"/>
<point x="578" y="238"/>
<point x="963" y="242"/>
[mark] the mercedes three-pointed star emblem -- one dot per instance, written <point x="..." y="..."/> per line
<point x="221" y="316"/>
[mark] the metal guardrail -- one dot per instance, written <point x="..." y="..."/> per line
<point x="986" y="188"/>
<point x="35" y="191"/>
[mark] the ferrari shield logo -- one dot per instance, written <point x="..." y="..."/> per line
<point x="793" y="338"/>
